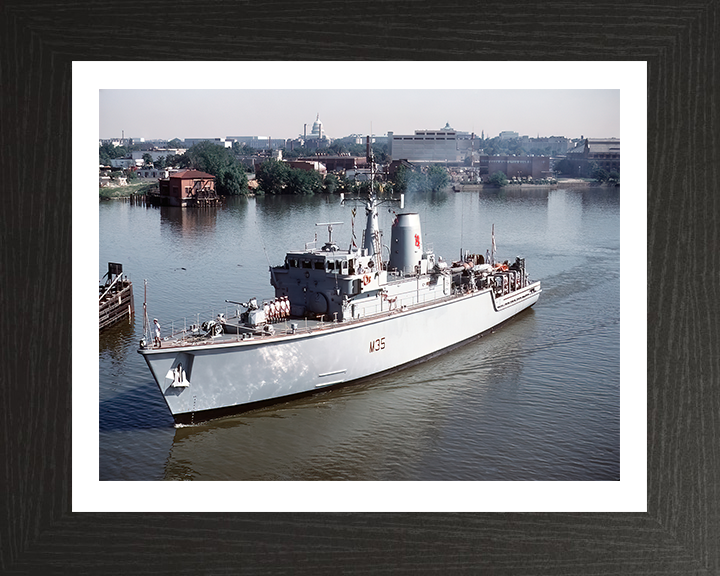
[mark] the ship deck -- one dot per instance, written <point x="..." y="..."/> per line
<point x="234" y="332"/>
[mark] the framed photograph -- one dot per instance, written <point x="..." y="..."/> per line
<point x="657" y="515"/>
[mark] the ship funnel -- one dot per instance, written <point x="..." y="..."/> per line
<point x="406" y="243"/>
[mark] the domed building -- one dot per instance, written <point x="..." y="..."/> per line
<point x="317" y="137"/>
<point x="317" y="129"/>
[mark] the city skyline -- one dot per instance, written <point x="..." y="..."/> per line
<point x="164" y="114"/>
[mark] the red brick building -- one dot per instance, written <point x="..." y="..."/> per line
<point x="187" y="188"/>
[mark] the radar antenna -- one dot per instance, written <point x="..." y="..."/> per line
<point x="330" y="228"/>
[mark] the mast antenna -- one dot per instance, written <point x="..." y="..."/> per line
<point x="330" y="228"/>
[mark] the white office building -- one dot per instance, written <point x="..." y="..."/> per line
<point x="444" y="145"/>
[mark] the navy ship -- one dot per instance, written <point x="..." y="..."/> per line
<point x="337" y="316"/>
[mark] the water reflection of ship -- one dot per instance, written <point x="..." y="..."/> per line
<point x="334" y="436"/>
<point x="351" y="433"/>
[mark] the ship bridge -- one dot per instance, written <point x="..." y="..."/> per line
<point x="339" y="284"/>
<point x="320" y="282"/>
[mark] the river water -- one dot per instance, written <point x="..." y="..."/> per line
<point x="537" y="400"/>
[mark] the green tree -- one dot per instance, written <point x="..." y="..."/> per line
<point x="243" y="149"/>
<point x="272" y="176"/>
<point x="337" y="148"/>
<point x="182" y="161"/>
<point x="331" y="183"/>
<point x="177" y="161"/>
<point x="357" y="149"/>
<point x="380" y="151"/>
<point x="564" y="166"/>
<point x="147" y="160"/>
<point x="297" y="151"/>
<point x="303" y="182"/>
<point x="498" y="179"/>
<point x="597" y="173"/>
<point x="402" y="178"/>
<point x="408" y="180"/>
<point x="437" y="178"/>
<point x="175" y="143"/>
<point x="230" y="175"/>
<point x="109" y="152"/>
<point x="343" y="184"/>
<point x="232" y="181"/>
<point x="362" y="188"/>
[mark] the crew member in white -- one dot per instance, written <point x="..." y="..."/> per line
<point x="157" y="333"/>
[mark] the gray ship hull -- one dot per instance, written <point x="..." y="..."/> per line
<point x="228" y="374"/>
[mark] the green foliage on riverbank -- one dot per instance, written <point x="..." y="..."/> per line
<point x="434" y="178"/>
<point x="230" y="176"/>
<point x="275" y="177"/>
<point x="110" y="192"/>
<point x="498" y="179"/>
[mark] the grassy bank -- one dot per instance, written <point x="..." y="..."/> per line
<point x="141" y="189"/>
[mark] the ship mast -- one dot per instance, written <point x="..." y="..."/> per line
<point x="372" y="229"/>
<point x="371" y="236"/>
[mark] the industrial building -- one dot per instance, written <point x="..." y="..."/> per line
<point x="517" y="166"/>
<point x="258" y="142"/>
<point x="591" y="152"/>
<point x="432" y="146"/>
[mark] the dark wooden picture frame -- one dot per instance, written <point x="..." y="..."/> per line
<point x="680" y="532"/>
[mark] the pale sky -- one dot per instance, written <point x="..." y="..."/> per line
<point x="281" y="113"/>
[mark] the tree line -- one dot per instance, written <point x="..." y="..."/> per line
<point x="433" y="179"/>
<point x="276" y="177"/>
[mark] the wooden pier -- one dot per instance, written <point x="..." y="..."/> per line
<point x="116" y="297"/>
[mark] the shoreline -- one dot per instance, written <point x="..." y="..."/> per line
<point x="565" y="183"/>
<point x="125" y="192"/>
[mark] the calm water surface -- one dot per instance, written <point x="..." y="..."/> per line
<point x="537" y="400"/>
